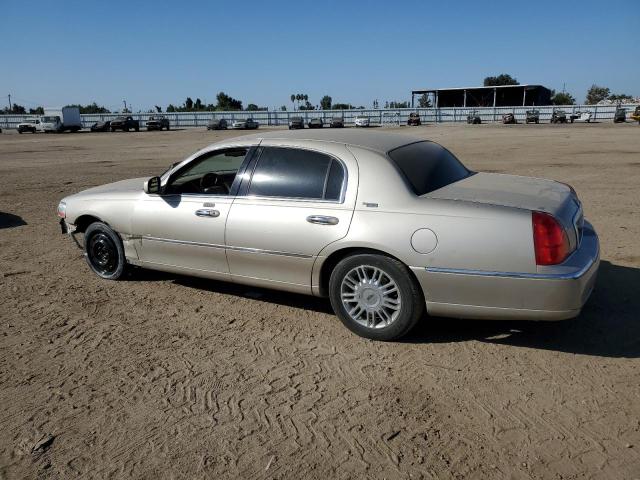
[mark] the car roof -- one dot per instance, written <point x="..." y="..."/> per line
<point x="378" y="141"/>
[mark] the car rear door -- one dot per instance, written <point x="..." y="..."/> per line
<point x="296" y="202"/>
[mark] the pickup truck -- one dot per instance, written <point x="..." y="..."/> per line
<point x="125" y="124"/>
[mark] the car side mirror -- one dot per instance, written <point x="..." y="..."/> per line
<point x="152" y="186"/>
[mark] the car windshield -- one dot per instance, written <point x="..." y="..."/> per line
<point x="427" y="166"/>
<point x="119" y="119"/>
<point x="49" y="119"/>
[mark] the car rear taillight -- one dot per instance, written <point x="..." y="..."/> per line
<point x="549" y="239"/>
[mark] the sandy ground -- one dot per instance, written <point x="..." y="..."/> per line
<point x="163" y="376"/>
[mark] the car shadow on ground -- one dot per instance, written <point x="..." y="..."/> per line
<point x="609" y="325"/>
<point x="9" y="220"/>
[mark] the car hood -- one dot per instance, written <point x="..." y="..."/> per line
<point x="122" y="189"/>
<point x="511" y="191"/>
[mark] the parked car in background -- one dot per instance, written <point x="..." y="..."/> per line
<point x="101" y="126"/>
<point x="579" y="116"/>
<point x="246" y="124"/>
<point x="125" y="124"/>
<point x="636" y="114"/>
<point x="621" y="115"/>
<point x="558" y="116"/>
<point x="296" y="123"/>
<point x="158" y="122"/>
<point x="509" y="119"/>
<point x="425" y="242"/>
<point x="414" y="119"/>
<point x="32" y="125"/>
<point x="61" y="119"/>
<point x="533" y="116"/>
<point x="217" y="124"/>
<point x="337" y="122"/>
<point x="316" y="123"/>
<point x="362" y="121"/>
<point x="474" y="118"/>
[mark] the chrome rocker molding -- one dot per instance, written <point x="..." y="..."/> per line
<point x="227" y="247"/>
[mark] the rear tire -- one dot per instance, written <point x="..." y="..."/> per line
<point x="104" y="251"/>
<point x="375" y="296"/>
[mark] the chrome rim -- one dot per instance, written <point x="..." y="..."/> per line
<point x="370" y="296"/>
<point x="103" y="254"/>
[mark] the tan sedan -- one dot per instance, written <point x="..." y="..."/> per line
<point x="386" y="226"/>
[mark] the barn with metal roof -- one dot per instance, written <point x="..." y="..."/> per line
<point x="498" y="96"/>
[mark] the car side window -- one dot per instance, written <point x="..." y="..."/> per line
<point x="211" y="174"/>
<point x="296" y="173"/>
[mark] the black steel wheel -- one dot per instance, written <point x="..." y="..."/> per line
<point x="104" y="251"/>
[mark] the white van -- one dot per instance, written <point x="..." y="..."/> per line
<point x="61" y="119"/>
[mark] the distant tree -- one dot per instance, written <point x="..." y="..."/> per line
<point x="283" y="108"/>
<point x="562" y="98"/>
<point x="502" y="79"/>
<point x="227" y="103"/>
<point x="596" y="94"/>
<point x="307" y="106"/>
<point x="158" y="109"/>
<point x="398" y="104"/>
<point x="342" y="106"/>
<point x="386" y="104"/>
<point x="325" y="102"/>
<point x="252" y="107"/>
<point x="36" y="111"/>
<point x="293" y="100"/>
<point x="305" y="98"/>
<point x="188" y="104"/>
<point x="198" y="105"/>
<point x="423" y="101"/>
<point x="171" y="108"/>
<point x="15" y="108"/>
<point x="375" y="104"/>
<point x="91" y="108"/>
<point x="621" y="97"/>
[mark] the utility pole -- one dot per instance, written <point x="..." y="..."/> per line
<point x="125" y="105"/>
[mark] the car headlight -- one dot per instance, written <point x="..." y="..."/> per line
<point x="62" y="210"/>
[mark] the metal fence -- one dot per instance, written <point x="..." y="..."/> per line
<point x="600" y="113"/>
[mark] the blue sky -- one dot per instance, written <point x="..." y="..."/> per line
<point x="55" y="53"/>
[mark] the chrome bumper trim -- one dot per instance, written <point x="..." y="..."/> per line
<point x="539" y="276"/>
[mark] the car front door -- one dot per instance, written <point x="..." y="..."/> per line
<point x="297" y="201"/>
<point x="184" y="227"/>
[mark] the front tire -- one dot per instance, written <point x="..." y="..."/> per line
<point x="104" y="251"/>
<point x="375" y="296"/>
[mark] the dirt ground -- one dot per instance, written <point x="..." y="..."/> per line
<point x="162" y="376"/>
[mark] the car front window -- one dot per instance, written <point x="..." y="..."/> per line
<point x="212" y="173"/>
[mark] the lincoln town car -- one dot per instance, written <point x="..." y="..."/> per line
<point x="392" y="229"/>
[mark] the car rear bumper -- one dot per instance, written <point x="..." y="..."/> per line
<point x="553" y="293"/>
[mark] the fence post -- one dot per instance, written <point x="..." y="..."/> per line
<point x="595" y="113"/>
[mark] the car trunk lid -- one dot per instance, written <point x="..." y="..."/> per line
<point x="535" y="194"/>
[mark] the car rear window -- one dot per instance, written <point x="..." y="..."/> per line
<point x="428" y="166"/>
<point x="297" y="173"/>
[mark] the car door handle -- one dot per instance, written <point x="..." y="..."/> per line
<point x="206" y="212"/>
<point x="322" y="220"/>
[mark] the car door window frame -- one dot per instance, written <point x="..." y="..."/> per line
<point x="235" y="186"/>
<point x="250" y="170"/>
